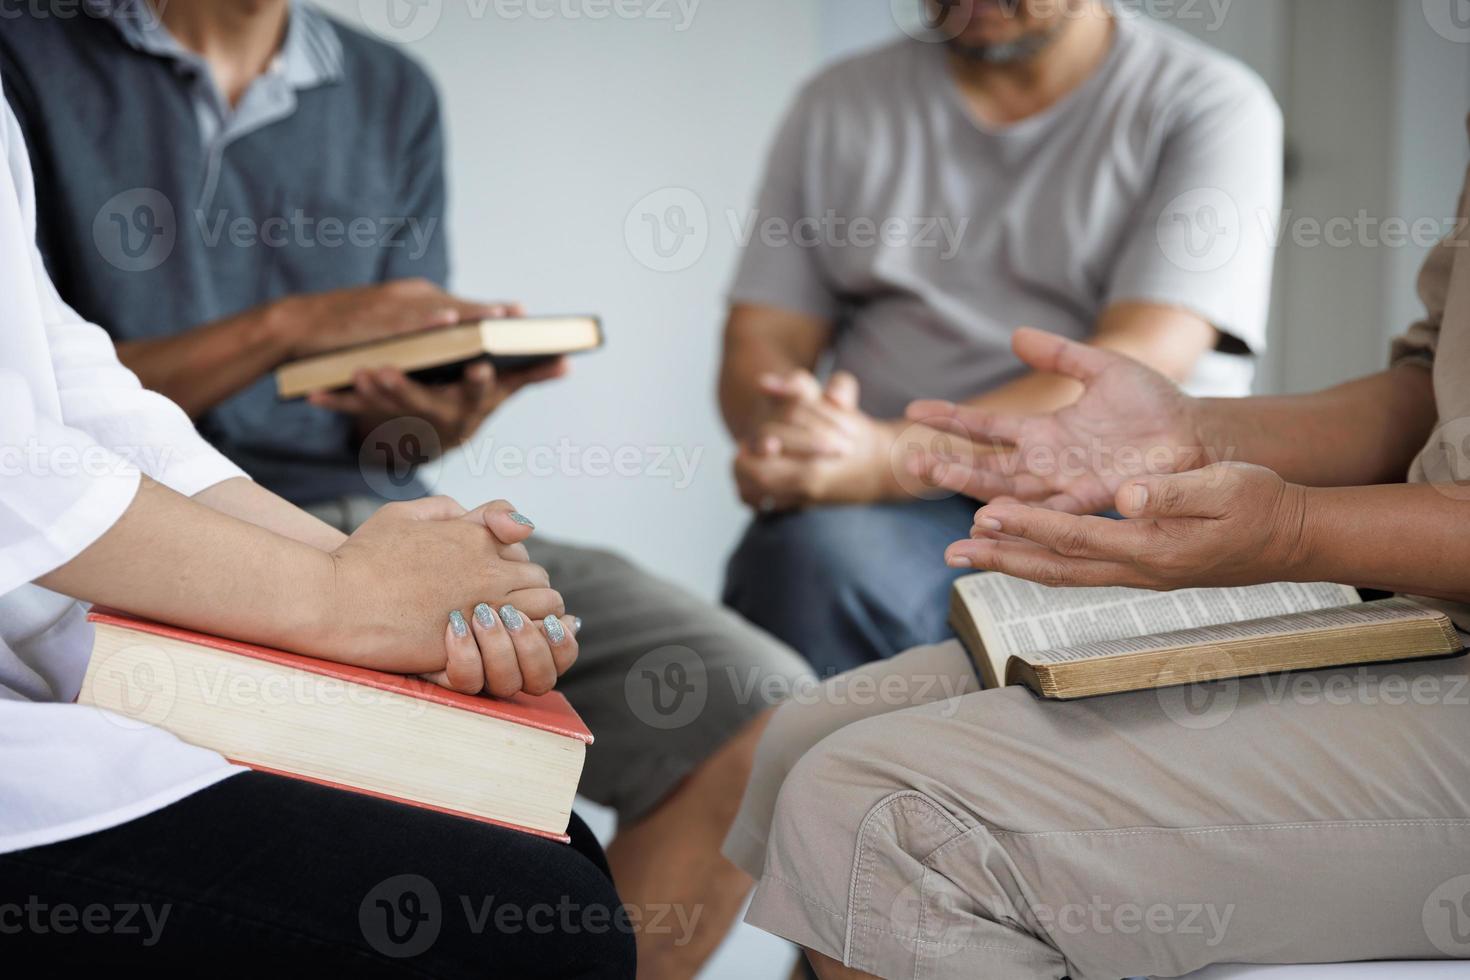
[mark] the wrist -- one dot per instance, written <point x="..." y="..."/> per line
<point x="276" y="327"/>
<point x="1302" y="516"/>
<point x="1209" y="421"/>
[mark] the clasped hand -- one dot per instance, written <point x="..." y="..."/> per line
<point x="427" y="587"/>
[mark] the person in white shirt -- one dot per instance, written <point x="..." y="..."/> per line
<point x="121" y="844"/>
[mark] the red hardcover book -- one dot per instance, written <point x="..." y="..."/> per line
<point x="515" y="763"/>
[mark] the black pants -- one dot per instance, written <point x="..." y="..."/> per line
<point x="261" y="875"/>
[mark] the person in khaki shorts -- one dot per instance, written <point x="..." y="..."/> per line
<point x="1316" y="817"/>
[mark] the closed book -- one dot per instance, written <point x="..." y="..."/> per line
<point x="440" y="356"/>
<point x="512" y="762"/>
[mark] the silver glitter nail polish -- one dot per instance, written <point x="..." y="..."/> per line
<point x="521" y="519"/>
<point x="457" y="623"/>
<point x="511" y="618"/>
<point x="485" y="616"/>
<point x="555" y="631"/>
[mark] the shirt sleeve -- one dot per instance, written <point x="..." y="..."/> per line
<point x="781" y="271"/>
<point x="1420" y="342"/>
<point x="76" y="428"/>
<point x="423" y="249"/>
<point x="1202" y="240"/>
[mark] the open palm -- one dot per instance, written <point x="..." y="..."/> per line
<point x="1131" y="421"/>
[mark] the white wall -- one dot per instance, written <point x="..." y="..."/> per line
<point x="557" y="128"/>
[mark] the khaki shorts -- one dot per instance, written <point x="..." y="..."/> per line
<point x="1314" y="817"/>
<point x="663" y="679"/>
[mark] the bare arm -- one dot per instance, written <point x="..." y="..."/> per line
<point x="1168" y="339"/>
<point x="1412" y="538"/>
<point x="248" y="501"/>
<point x="200" y="368"/>
<point x="1357" y="434"/>
<point x="760" y="341"/>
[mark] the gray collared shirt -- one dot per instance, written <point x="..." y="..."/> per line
<point x="163" y="208"/>
<point x="310" y="55"/>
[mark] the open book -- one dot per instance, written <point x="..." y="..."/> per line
<point x="1077" y="643"/>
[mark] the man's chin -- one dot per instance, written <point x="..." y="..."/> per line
<point x="1012" y="52"/>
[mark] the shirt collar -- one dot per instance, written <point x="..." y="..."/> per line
<point x="311" y="54"/>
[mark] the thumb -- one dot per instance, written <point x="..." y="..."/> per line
<point x="1198" y="493"/>
<point x="1054" y="354"/>
<point x="843" y="390"/>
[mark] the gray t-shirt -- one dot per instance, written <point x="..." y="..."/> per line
<point x="929" y="237"/>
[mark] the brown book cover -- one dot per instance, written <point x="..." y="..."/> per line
<point x="441" y="355"/>
<point x="1065" y="644"/>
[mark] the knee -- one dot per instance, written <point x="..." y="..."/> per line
<point x="815" y="549"/>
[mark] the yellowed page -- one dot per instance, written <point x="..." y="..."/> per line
<point x="1016" y="618"/>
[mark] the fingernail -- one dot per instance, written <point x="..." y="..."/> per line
<point x="1139" y="496"/>
<point x="521" y="519"/>
<point x="555" y="631"/>
<point x="988" y="523"/>
<point x="576" y="625"/>
<point x="960" y="561"/>
<point x="511" y="618"/>
<point x="485" y="616"/>
<point x="457" y="623"/>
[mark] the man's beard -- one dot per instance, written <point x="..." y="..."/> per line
<point x="1016" y="52"/>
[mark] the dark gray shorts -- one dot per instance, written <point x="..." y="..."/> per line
<point x="663" y="678"/>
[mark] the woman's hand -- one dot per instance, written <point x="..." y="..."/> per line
<point x="1226" y="525"/>
<point x="1130" y="422"/>
<point x="400" y="579"/>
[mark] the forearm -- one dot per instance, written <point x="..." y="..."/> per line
<point x="1399" y="538"/>
<point x="248" y="501"/>
<point x="202" y="367"/>
<point x="1362" y="433"/>
<point x="172" y="559"/>
<point x="761" y="341"/>
<point x="1168" y="339"/>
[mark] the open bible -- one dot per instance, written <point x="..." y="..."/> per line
<point x="1076" y="643"/>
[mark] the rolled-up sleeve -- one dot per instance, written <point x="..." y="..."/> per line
<point x="1420" y="342"/>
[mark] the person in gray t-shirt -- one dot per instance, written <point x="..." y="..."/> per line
<point x="1062" y="165"/>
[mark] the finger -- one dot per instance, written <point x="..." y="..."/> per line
<point x="759" y="477"/>
<point x="347" y="402"/>
<point x="428" y="509"/>
<point x="843" y="390"/>
<point x="1067" y="535"/>
<point x="1036" y="564"/>
<point x="987" y="478"/>
<point x="797" y="384"/>
<point x="561" y="636"/>
<point x="514" y="552"/>
<point x="462" y="671"/>
<point x="501" y="667"/>
<point x="550" y="371"/>
<point x="975" y="424"/>
<point x="479" y="385"/>
<point x="533" y="652"/>
<point x="413" y="399"/>
<point x="509" y="525"/>
<point x="537" y="602"/>
<point x="1199" y="493"/>
<point x="801" y="442"/>
<point x="1057" y="355"/>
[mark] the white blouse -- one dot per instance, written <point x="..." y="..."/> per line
<point x="76" y="429"/>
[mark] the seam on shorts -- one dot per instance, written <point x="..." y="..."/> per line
<point x="805" y="898"/>
<point x="1236" y="828"/>
<point x="859" y="884"/>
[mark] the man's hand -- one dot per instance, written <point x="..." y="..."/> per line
<point x="815" y="447"/>
<point x="1131" y="421"/>
<point x="317" y="323"/>
<point x="1226" y="525"/>
<point x="455" y="411"/>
